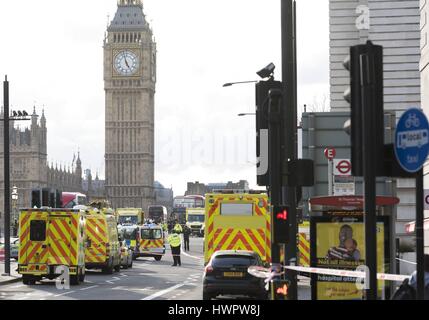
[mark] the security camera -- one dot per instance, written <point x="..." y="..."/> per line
<point x="267" y="72"/>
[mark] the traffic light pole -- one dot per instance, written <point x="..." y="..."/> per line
<point x="420" y="246"/>
<point x="289" y="116"/>
<point x="6" y="178"/>
<point x="275" y="160"/>
<point x="369" y="150"/>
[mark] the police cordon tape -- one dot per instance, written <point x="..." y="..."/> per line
<point x="264" y="273"/>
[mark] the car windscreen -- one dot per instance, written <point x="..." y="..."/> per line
<point x="234" y="261"/>
<point x="195" y="218"/>
<point x="128" y="234"/>
<point x="151" y="234"/>
<point x="128" y="220"/>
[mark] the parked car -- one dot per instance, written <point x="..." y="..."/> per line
<point x="126" y="255"/>
<point x="226" y="274"/>
<point x="1" y="250"/>
<point x="14" y="248"/>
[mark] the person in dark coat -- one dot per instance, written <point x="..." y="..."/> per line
<point x="186" y="235"/>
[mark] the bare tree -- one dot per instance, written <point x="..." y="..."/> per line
<point x="320" y="104"/>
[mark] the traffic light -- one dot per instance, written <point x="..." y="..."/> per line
<point x="262" y="103"/>
<point x="279" y="289"/>
<point x="280" y="224"/>
<point x="365" y="96"/>
<point x="36" y="198"/>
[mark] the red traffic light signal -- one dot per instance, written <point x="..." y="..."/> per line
<point x="279" y="289"/>
<point x="282" y="215"/>
<point x="282" y="290"/>
<point x="280" y="224"/>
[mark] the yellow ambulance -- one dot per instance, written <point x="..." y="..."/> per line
<point x="48" y="240"/>
<point x="237" y="220"/>
<point x="103" y="249"/>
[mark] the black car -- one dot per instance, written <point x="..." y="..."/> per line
<point x="226" y="274"/>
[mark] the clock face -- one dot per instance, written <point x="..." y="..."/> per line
<point x="126" y="63"/>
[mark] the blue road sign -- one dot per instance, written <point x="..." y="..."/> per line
<point x="412" y="140"/>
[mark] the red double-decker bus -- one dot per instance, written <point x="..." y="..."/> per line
<point x="181" y="203"/>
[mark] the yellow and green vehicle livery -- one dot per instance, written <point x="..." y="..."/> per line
<point x="103" y="250"/>
<point x="195" y="218"/>
<point x="237" y="220"/>
<point x="151" y="242"/>
<point x="49" y="241"/>
<point x="130" y="216"/>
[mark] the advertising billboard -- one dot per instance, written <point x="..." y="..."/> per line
<point x="341" y="245"/>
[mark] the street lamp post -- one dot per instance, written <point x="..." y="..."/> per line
<point x="16" y="116"/>
<point x="14" y="207"/>
<point x="246" y="114"/>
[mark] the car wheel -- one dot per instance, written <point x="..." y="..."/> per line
<point x="82" y="275"/>
<point x="109" y="268"/>
<point x="118" y="268"/>
<point x="74" y="280"/>
<point x="207" y="296"/>
<point x="27" y="280"/>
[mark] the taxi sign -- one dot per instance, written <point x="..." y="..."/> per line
<point x="412" y="140"/>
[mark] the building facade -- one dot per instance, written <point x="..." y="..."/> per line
<point x="396" y="26"/>
<point x="197" y="188"/>
<point x="392" y="24"/>
<point x="424" y="70"/>
<point x="129" y="78"/>
<point x="29" y="167"/>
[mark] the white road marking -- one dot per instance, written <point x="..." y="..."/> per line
<point x="18" y="286"/>
<point x="87" y="288"/>
<point x="190" y="256"/>
<point x="163" y="292"/>
<point x="109" y="282"/>
<point x="63" y="294"/>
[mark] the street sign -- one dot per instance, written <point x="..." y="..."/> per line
<point x="342" y="167"/>
<point x="330" y="153"/>
<point x="412" y="140"/>
<point x="344" y="182"/>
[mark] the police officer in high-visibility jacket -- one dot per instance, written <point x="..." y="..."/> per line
<point x="178" y="228"/>
<point x="175" y="242"/>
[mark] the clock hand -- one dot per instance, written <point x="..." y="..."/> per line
<point x="126" y="62"/>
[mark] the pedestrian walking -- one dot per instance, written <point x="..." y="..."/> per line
<point x="186" y="235"/>
<point x="175" y="243"/>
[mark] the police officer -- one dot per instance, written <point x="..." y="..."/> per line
<point x="178" y="228"/>
<point x="175" y="243"/>
<point x="186" y="234"/>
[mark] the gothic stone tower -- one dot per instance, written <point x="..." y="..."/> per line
<point x="129" y="78"/>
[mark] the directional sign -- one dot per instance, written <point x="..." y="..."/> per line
<point x="330" y="153"/>
<point x="412" y="140"/>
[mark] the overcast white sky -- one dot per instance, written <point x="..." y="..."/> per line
<point x="52" y="52"/>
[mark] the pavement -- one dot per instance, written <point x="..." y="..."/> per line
<point x="14" y="276"/>
<point x="147" y="280"/>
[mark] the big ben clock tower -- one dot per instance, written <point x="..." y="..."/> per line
<point x="129" y="82"/>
